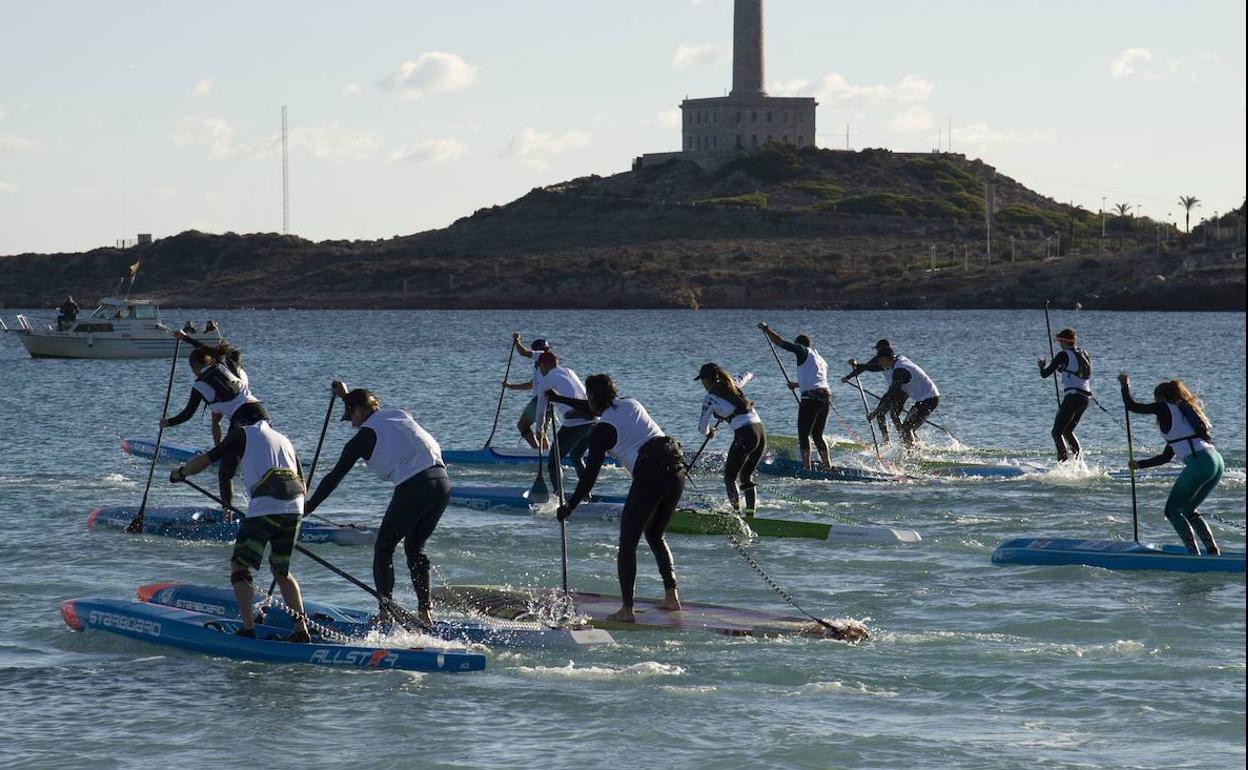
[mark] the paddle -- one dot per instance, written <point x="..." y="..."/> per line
<point x="1052" y="353"/>
<point x="701" y="449"/>
<point x="502" y="392"/>
<point x="1135" y="512"/>
<point x="404" y="616"/>
<point x="867" y="411"/>
<point x="538" y="493"/>
<point x="557" y="479"/>
<point x="136" y="524"/>
<point x="780" y="364"/>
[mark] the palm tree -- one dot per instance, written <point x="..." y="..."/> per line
<point x="1123" y="209"/>
<point x="1189" y="202"/>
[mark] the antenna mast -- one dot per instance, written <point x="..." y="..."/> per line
<point x="285" y="179"/>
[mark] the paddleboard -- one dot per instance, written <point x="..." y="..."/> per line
<point x="780" y="466"/>
<point x="208" y="524"/>
<point x="688" y="521"/>
<point x="500" y="456"/>
<point x="693" y="616"/>
<point x="1112" y="554"/>
<point x="171" y="452"/>
<point x="220" y="601"/>
<point x="215" y="635"/>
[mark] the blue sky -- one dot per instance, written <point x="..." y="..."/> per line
<point x="126" y="117"/>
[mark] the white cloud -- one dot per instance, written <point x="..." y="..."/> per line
<point x="350" y="90"/>
<point x="693" y="54"/>
<point x="981" y="134"/>
<point x="788" y="87"/>
<point x="534" y="148"/>
<point x="18" y="143"/>
<point x="664" y="119"/>
<point x="8" y="187"/>
<point x="433" y="72"/>
<point x="836" y="89"/>
<point x="332" y="141"/>
<point x="202" y="89"/>
<point x="1208" y="56"/>
<point x="432" y="151"/>
<point x="1124" y="65"/>
<point x="913" y="118"/>
<point x="165" y="193"/>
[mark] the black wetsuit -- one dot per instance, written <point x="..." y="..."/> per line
<point x="812" y="408"/>
<point x="415" y="508"/>
<point x="749" y="442"/>
<point x="653" y="496"/>
<point x="1069" y="412"/>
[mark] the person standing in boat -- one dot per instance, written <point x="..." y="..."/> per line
<point x="400" y="451"/>
<point x="725" y="401"/>
<point x="67" y="313"/>
<point x="574" y="425"/>
<point x="529" y="416"/>
<point x="275" y="485"/>
<point x="626" y="432"/>
<point x="875" y="365"/>
<point x="1075" y="368"/>
<point x="816" y="398"/>
<point x="907" y="380"/>
<point x="1182" y="421"/>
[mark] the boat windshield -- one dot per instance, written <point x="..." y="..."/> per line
<point x="145" y="312"/>
<point x="105" y="311"/>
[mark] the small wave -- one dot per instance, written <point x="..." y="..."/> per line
<point x="698" y="689"/>
<point x="1125" y="648"/>
<point x="818" y="688"/>
<point x="117" y="477"/>
<point x="636" y="672"/>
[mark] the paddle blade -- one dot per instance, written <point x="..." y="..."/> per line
<point x="539" y="493"/>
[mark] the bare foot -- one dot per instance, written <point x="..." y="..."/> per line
<point x="623" y="615"/>
<point x="425" y="618"/>
<point x="671" y="601"/>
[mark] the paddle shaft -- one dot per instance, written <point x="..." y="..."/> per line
<point x="867" y="412"/>
<point x="701" y="449"/>
<point x="136" y="524"/>
<point x="1052" y="354"/>
<point x="1135" y="511"/>
<point x="780" y="364"/>
<point x="557" y="459"/>
<point x="399" y="612"/>
<point x="502" y="391"/>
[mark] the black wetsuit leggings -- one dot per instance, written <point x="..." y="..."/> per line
<point x="573" y="444"/>
<point x="1069" y="413"/>
<point x="749" y="442"/>
<point x="658" y="483"/>
<point x="918" y="413"/>
<point x="412" y="515"/>
<point x="812" y="418"/>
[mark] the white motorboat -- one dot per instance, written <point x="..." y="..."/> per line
<point x="119" y="328"/>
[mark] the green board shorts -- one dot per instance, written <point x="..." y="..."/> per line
<point x="529" y="415"/>
<point x="258" y="531"/>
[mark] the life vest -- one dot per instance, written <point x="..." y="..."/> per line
<point x="1076" y="372"/>
<point x="1183" y="437"/>
<point x="403" y="448"/>
<point x="920" y="387"/>
<point x="812" y="374"/>
<point x="224" y="391"/>
<point x="633" y="428"/>
<point x="271" y="472"/>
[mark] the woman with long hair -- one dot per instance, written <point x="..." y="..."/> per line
<point x="725" y="401"/>
<point x="1182" y="420"/>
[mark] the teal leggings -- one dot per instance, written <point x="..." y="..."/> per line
<point x="1201" y="473"/>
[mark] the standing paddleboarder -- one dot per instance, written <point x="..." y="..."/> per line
<point x="627" y="433"/>
<point x="875" y="365"/>
<point x="529" y="417"/>
<point x="1075" y="368"/>
<point x="725" y="401"/>
<point x="274" y="482"/>
<point x="574" y="425"/>
<point x="816" y="398"/>
<point x="907" y="380"/>
<point x="400" y="451"/>
<point x="1182" y="421"/>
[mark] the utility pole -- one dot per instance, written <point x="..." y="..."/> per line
<point x="846" y="136"/>
<point x="932" y="256"/>
<point x="285" y="179"/>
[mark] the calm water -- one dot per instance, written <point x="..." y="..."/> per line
<point x="971" y="665"/>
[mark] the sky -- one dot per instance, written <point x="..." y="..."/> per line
<point x="131" y="117"/>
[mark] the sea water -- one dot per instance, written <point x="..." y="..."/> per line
<point x="970" y="665"/>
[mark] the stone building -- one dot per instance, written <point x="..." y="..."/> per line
<point x="713" y="129"/>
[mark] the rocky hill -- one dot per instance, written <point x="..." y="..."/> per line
<point x="776" y="228"/>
